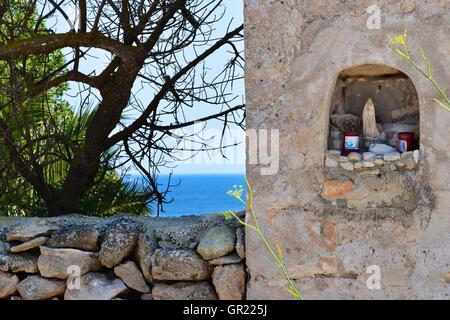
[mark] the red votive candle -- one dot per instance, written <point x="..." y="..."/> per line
<point x="406" y="141"/>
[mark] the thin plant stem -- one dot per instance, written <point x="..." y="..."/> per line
<point x="400" y="47"/>
<point x="256" y="227"/>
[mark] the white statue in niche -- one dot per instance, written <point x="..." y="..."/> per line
<point x="370" y="129"/>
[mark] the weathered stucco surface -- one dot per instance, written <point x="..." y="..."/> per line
<point x="295" y="50"/>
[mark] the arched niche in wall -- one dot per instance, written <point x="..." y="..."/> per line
<point x="396" y="106"/>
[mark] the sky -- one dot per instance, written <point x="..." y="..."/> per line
<point x="201" y="163"/>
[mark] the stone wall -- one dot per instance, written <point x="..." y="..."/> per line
<point x="295" y="51"/>
<point x="389" y="182"/>
<point x="80" y="258"/>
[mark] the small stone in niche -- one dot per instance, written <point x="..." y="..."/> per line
<point x="347" y="165"/>
<point x="392" y="156"/>
<point x="381" y="149"/>
<point x="354" y="156"/>
<point x="369" y="156"/>
<point x="379" y="162"/>
<point x="368" y="164"/>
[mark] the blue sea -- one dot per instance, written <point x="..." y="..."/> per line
<point x="200" y="194"/>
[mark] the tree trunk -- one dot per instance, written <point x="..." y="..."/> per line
<point x="62" y="205"/>
<point x="86" y="162"/>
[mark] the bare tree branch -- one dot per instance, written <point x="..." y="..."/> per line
<point x="156" y="57"/>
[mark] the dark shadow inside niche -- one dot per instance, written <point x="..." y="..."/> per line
<point x="395" y="107"/>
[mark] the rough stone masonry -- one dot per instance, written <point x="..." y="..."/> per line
<point x="334" y="225"/>
<point x="123" y="257"/>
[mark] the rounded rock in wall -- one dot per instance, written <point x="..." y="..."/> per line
<point x="8" y="284"/>
<point x="358" y="165"/>
<point x="40" y="288"/>
<point x="229" y="281"/>
<point x="391" y="157"/>
<point x="369" y="156"/>
<point x="354" y="156"/>
<point x="347" y="166"/>
<point x="331" y="163"/>
<point x="217" y="242"/>
<point x="179" y="265"/>
<point x="119" y="241"/>
<point x="368" y="164"/>
<point x="54" y="263"/>
<point x="130" y="274"/>
<point x="76" y="237"/>
<point x="96" y="286"/>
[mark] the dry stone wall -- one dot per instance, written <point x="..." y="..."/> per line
<point x="80" y="258"/>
